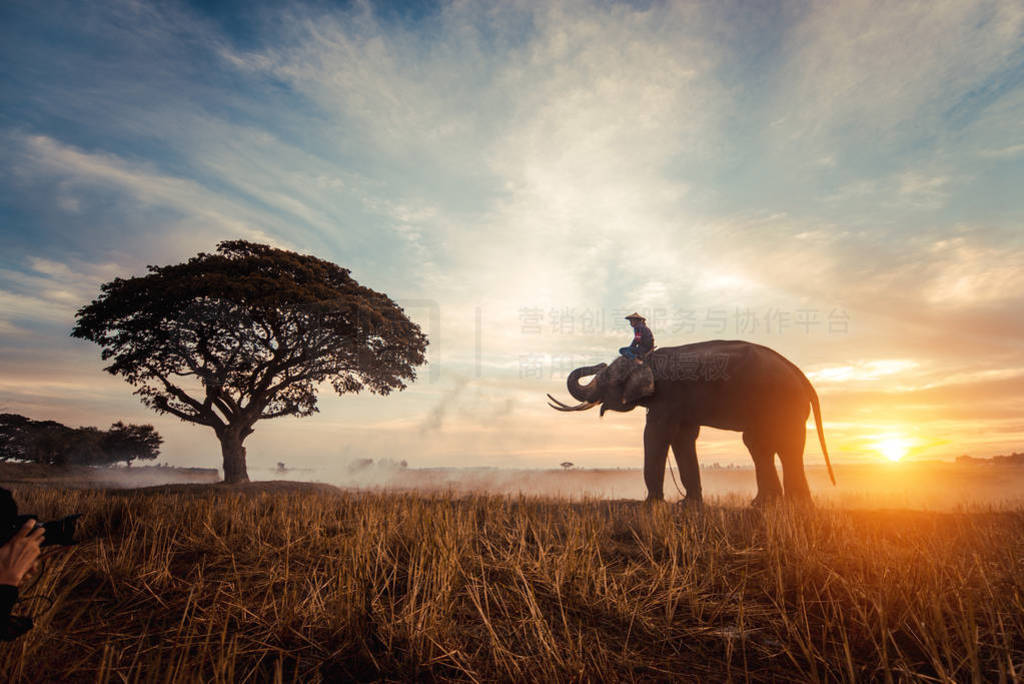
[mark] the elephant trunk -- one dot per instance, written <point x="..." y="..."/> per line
<point x="580" y="392"/>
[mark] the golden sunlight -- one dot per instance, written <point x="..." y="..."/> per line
<point x="893" y="447"/>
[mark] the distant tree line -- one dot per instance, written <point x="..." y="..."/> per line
<point x="1009" y="459"/>
<point x="50" y="442"/>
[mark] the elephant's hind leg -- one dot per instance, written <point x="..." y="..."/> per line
<point x="684" y="448"/>
<point x="769" y="488"/>
<point x="791" y="455"/>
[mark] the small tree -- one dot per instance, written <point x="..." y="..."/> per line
<point x="566" y="464"/>
<point x="129" y="442"/>
<point x="248" y="333"/>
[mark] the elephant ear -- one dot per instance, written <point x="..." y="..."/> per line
<point x="639" y="384"/>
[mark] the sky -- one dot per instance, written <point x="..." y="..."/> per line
<point x="838" y="181"/>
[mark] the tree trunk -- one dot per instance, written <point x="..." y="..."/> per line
<point x="234" y="456"/>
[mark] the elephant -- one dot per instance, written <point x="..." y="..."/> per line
<point x="724" y="384"/>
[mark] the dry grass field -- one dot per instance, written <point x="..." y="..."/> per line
<point x="282" y="582"/>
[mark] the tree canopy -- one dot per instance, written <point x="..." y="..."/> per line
<point x="248" y="333"/>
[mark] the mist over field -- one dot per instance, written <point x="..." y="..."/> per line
<point x="936" y="485"/>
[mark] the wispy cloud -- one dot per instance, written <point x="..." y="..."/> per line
<point x="874" y="66"/>
<point x="861" y="370"/>
<point x="1007" y="152"/>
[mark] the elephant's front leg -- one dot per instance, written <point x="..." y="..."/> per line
<point x="657" y="435"/>
<point x="684" y="448"/>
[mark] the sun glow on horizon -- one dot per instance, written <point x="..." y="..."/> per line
<point x="893" y="447"/>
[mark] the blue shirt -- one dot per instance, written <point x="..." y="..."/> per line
<point x="643" y="340"/>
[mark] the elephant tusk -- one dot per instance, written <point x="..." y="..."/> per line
<point x="583" y="406"/>
<point x="558" y="402"/>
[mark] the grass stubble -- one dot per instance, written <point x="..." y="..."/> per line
<point x="260" y="584"/>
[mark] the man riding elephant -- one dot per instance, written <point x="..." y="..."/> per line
<point x="643" y="339"/>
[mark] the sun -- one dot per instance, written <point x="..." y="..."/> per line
<point x="893" y="447"/>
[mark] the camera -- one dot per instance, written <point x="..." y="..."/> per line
<point x="58" y="532"/>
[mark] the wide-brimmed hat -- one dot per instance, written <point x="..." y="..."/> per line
<point x="635" y="315"/>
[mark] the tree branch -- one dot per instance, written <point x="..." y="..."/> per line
<point x="214" y="397"/>
<point x="203" y="411"/>
<point x="161" y="403"/>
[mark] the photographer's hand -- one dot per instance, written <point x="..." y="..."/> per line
<point x="19" y="554"/>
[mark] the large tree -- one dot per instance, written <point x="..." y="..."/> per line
<point x="248" y="333"/>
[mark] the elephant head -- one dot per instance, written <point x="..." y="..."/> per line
<point x="617" y="387"/>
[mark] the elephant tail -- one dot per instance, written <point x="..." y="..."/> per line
<point x="813" y="396"/>
<point x="821" y="432"/>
